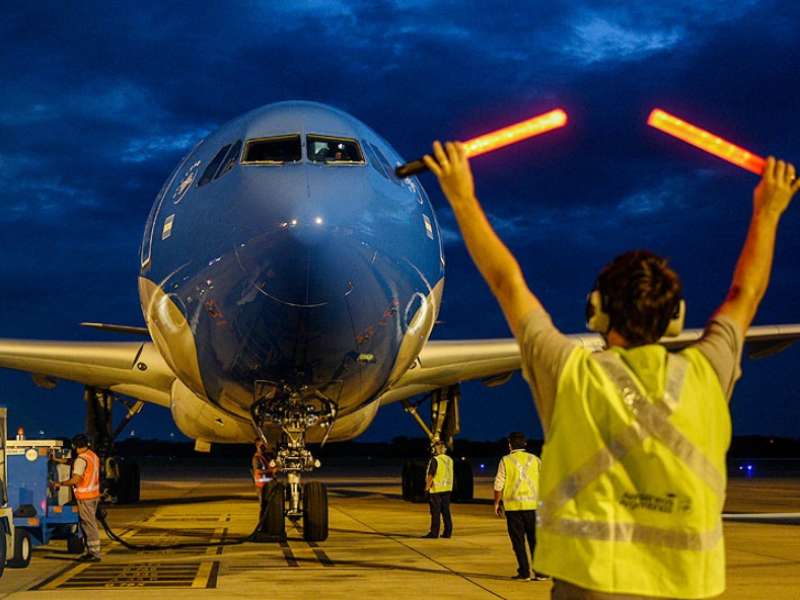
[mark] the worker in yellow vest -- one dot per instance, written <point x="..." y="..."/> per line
<point x="438" y="485"/>
<point x="633" y="479"/>
<point x="85" y="481"/>
<point x="516" y="492"/>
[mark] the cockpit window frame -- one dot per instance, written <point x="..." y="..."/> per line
<point x="212" y="168"/>
<point x="231" y="159"/>
<point x="335" y="138"/>
<point x="270" y="163"/>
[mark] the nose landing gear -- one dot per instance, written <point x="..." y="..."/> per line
<point x="293" y="411"/>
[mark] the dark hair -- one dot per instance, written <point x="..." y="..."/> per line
<point x="641" y="293"/>
<point x="516" y="439"/>
<point x="80" y="441"/>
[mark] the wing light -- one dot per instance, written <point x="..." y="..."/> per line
<point x="499" y="138"/>
<point x="706" y="140"/>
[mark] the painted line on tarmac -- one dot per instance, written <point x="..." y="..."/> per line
<point x="289" y="555"/>
<point x="322" y="557"/>
<point x="430" y="558"/>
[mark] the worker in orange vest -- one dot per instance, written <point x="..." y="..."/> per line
<point x="85" y="480"/>
<point x="263" y="473"/>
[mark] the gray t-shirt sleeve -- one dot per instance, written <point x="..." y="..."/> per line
<point x="79" y="466"/>
<point x="722" y="344"/>
<point x="544" y="352"/>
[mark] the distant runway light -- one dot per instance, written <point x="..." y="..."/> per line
<point x="499" y="138"/>
<point x="318" y="220"/>
<point x="705" y="140"/>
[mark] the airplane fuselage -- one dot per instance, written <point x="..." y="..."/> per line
<point x="284" y="251"/>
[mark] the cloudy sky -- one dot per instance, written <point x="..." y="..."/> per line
<point x="99" y="101"/>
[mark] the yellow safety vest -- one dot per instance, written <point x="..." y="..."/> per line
<point x="521" y="488"/>
<point x="633" y="478"/>
<point x="443" y="478"/>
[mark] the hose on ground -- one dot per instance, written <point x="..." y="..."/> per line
<point x="266" y="499"/>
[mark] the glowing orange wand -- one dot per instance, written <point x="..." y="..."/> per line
<point x="706" y="141"/>
<point x="499" y="138"/>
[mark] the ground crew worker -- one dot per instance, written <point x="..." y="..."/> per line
<point x="438" y="485"/>
<point x="633" y="478"/>
<point x="516" y="488"/>
<point x="85" y="480"/>
<point x="263" y="473"/>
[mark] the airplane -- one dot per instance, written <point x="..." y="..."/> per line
<point x="289" y="284"/>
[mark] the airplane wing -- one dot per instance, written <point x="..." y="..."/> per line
<point x="133" y="369"/>
<point x="442" y="363"/>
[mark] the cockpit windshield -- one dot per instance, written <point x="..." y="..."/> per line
<point x="273" y="150"/>
<point x="333" y="150"/>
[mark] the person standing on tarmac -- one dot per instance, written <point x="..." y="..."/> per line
<point x="633" y="479"/>
<point x="516" y="486"/>
<point x="85" y="480"/>
<point x="438" y="485"/>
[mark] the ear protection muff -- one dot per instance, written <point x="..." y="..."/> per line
<point x="597" y="318"/>
<point x="675" y="325"/>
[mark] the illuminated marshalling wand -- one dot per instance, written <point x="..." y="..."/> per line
<point x="706" y="141"/>
<point x="499" y="138"/>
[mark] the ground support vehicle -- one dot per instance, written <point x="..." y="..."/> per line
<point x="40" y="513"/>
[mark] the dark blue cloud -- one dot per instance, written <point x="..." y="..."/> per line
<point x="98" y="101"/>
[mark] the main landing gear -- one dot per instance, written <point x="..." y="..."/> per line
<point x="445" y="423"/>
<point x="120" y="482"/>
<point x="288" y="413"/>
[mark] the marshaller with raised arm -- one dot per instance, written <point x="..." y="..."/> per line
<point x="633" y="468"/>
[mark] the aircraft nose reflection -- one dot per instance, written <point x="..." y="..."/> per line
<point x="305" y="301"/>
<point x="307" y="230"/>
<point x="303" y="264"/>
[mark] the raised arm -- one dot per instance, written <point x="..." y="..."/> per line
<point x="751" y="277"/>
<point x="493" y="259"/>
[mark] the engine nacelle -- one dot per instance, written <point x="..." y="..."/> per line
<point x="200" y="420"/>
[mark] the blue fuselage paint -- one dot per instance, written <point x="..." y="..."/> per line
<point x="303" y="274"/>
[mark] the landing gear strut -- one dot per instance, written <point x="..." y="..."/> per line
<point x="292" y="411"/>
<point x="121" y="479"/>
<point x="445" y="423"/>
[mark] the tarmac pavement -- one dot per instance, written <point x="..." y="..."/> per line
<point x="374" y="549"/>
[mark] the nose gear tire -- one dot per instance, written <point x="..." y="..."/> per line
<point x="273" y="527"/>
<point x="315" y="512"/>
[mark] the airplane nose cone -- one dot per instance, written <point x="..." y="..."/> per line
<point x="302" y="265"/>
<point x="304" y="304"/>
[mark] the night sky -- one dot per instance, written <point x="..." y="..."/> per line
<point x="99" y="102"/>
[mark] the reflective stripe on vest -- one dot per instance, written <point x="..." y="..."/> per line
<point x="639" y="513"/>
<point x="521" y="489"/>
<point x="88" y="488"/>
<point x="443" y="478"/>
<point x="260" y="475"/>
